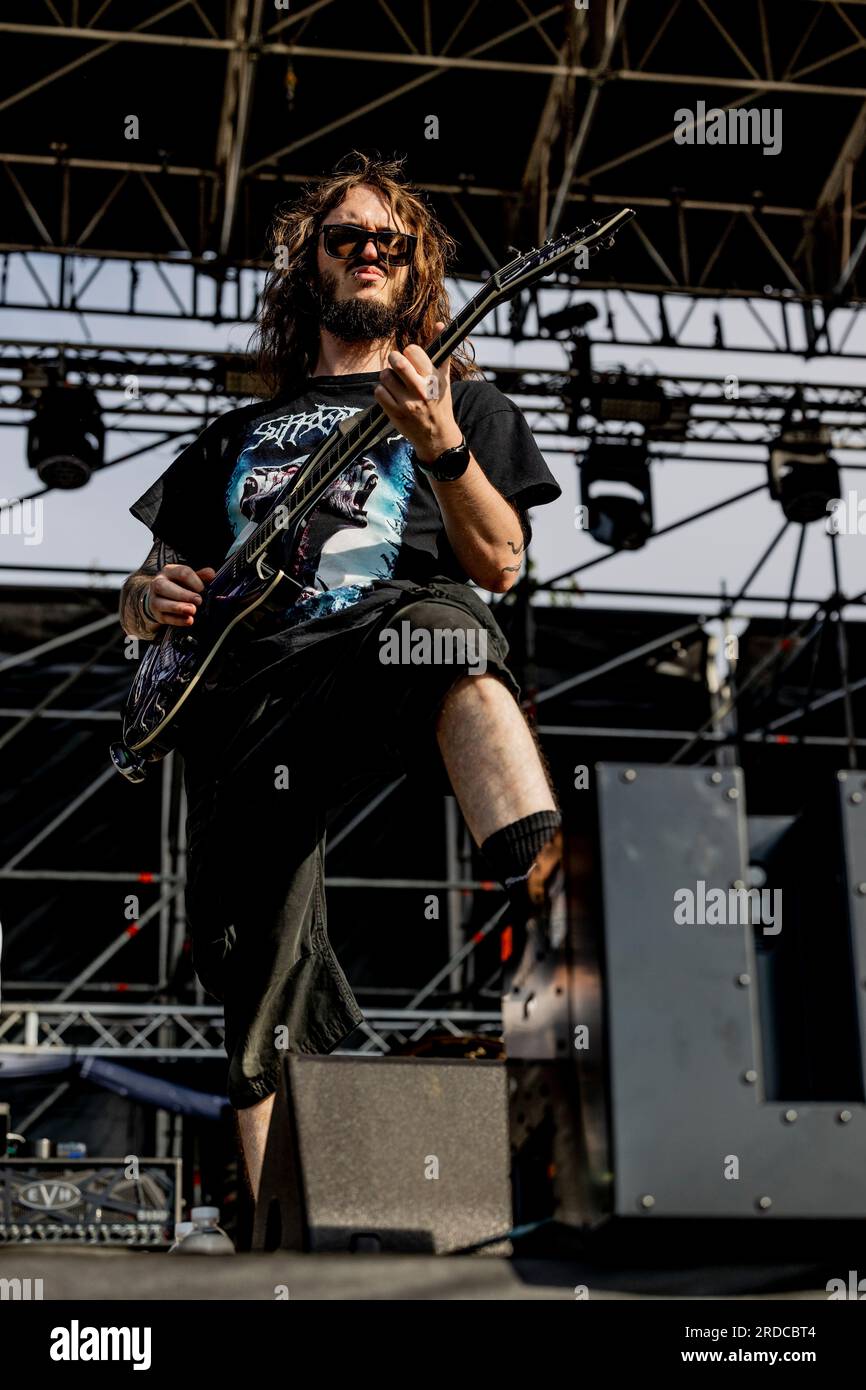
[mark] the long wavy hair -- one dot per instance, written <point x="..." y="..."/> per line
<point x="285" y="343"/>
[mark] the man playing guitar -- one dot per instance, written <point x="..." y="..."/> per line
<point x="307" y="704"/>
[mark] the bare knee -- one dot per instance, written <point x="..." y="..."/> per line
<point x="487" y="692"/>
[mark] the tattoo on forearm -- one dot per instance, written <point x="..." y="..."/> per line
<point x="133" y="617"/>
<point x="516" y="549"/>
<point x="135" y="609"/>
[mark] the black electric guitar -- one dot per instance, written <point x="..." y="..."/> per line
<point x="253" y="578"/>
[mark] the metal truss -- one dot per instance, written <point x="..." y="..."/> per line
<point x="640" y="317"/>
<point x="713" y="419"/>
<point x="142" y="386"/>
<point x="772" y="323"/>
<point x="183" y="1032"/>
<point x="567" y="85"/>
<point x="121" y="1030"/>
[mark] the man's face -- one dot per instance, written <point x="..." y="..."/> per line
<point x="362" y="299"/>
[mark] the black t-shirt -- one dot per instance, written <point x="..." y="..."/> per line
<point x="378" y="522"/>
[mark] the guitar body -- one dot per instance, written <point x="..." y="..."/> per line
<point x="181" y="662"/>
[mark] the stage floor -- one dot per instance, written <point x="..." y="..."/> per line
<point x="108" y="1274"/>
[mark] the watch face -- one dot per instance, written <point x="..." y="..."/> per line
<point x="452" y="466"/>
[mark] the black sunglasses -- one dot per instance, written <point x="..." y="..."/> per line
<point x="343" y="241"/>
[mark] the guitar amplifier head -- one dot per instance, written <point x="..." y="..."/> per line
<point x="89" y="1201"/>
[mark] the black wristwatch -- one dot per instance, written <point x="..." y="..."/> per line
<point x="449" y="466"/>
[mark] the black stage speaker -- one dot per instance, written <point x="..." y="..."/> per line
<point x="675" y="1052"/>
<point x="386" y="1153"/>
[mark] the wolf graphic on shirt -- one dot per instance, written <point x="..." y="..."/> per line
<point x="343" y="506"/>
<point x="354" y="534"/>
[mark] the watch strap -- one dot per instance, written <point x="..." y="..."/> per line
<point x="439" y="470"/>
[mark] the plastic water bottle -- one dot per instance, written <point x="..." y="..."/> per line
<point x="181" y="1230"/>
<point x="207" y="1236"/>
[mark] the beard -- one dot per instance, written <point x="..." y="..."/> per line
<point x="359" y="320"/>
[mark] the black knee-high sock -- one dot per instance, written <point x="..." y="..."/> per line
<point x="512" y="851"/>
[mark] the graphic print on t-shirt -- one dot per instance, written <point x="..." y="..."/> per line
<point x="355" y="533"/>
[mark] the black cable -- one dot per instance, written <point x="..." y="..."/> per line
<point x="123" y="458"/>
<point x="726" y="610"/>
<point x="842" y="651"/>
<point x="516" y="1233"/>
<point x="654" y="535"/>
<point x="795" y="574"/>
<point x="28" y="497"/>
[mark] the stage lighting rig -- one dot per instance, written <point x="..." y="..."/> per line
<point x="804" y="478"/>
<point x="628" y="397"/>
<point x="66" y="436"/>
<point x="616" y="492"/>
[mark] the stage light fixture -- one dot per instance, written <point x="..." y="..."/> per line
<point x="616" y="490"/>
<point x="675" y="427"/>
<point x="624" y="396"/>
<point x="66" y="436"/>
<point x="572" y="318"/>
<point x="804" y="478"/>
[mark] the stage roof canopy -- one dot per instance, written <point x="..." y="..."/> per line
<point x="172" y="132"/>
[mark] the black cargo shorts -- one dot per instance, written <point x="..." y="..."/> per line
<point x="255" y="893"/>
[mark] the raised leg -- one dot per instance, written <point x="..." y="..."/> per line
<point x="492" y="759"/>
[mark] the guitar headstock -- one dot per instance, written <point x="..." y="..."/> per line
<point x="541" y="260"/>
